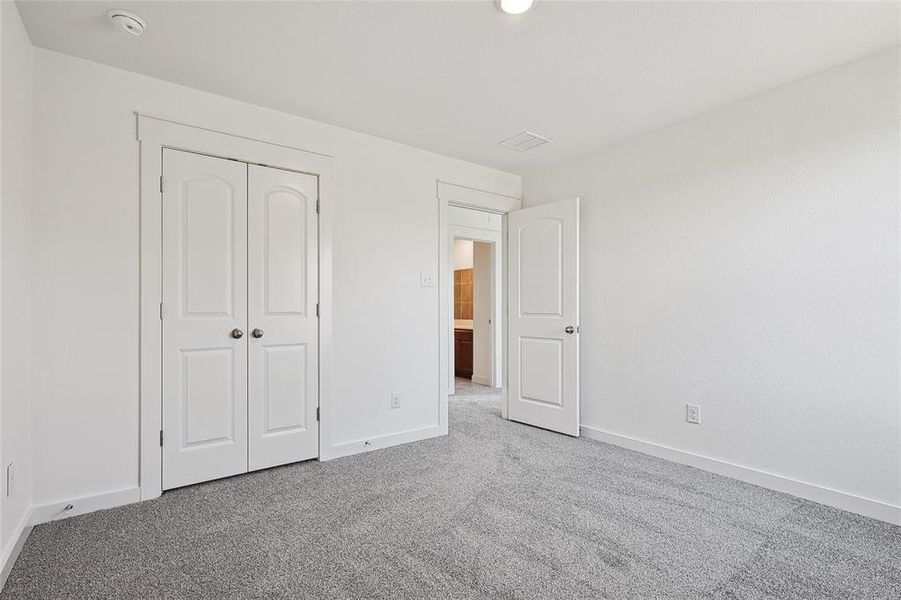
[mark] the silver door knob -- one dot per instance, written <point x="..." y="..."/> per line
<point x="257" y="333"/>
<point x="570" y="329"/>
<point x="237" y="333"/>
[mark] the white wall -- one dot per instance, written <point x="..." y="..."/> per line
<point x="15" y="200"/>
<point x="748" y="260"/>
<point x="85" y="279"/>
<point x="462" y="254"/>
<point x="481" y="313"/>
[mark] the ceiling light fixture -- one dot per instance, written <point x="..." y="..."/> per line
<point x="515" y="7"/>
<point x="128" y="22"/>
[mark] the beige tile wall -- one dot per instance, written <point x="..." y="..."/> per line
<point x="463" y="294"/>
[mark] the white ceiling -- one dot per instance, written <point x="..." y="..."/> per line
<point x="457" y="78"/>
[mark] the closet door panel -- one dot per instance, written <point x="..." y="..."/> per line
<point x="282" y="295"/>
<point x="204" y="285"/>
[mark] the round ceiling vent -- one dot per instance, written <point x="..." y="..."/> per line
<point x="127" y="22"/>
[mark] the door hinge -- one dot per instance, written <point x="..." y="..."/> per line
<point x="317" y="413"/>
<point x="161" y="438"/>
<point x="317" y="206"/>
<point x="161" y="184"/>
<point x="162" y="311"/>
<point x="317" y="310"/>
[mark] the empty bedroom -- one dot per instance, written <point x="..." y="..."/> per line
<point x="450" y="299"/>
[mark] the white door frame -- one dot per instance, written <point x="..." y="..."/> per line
<point x="154" y="134"/>
<point x="450" y="194"/>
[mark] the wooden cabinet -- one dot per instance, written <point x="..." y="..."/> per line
<point x="463" y="353"/>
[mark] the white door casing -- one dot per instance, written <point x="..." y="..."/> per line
<point x="154" y="135"/>
<point x="204" y="267"/>
<point x="283" y="292"/>
<point x="543" y="296"/>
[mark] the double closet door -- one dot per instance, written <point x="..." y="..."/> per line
<point x="239" y="317"/>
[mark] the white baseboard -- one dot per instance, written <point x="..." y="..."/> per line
<point x="383" y="441"/>
<point x="809" y="491"/>
<point x="53" y="511"/>
<point x="10" y="554"/>
<point x="481" y="380"/>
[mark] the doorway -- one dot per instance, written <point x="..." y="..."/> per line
<point x="536" y="321"/>
<point x="476" y="300"/>
<point x="473" y="289"/>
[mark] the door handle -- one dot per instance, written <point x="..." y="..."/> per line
<point x="237" y="333"/>
<point x="257" y="333"/>
<point x="570" y="329"/>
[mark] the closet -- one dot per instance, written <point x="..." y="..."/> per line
<point x="240" y="329"/>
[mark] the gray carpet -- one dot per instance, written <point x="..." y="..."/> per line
<point x="467" y="387"/>
<point x="494" y="510"/>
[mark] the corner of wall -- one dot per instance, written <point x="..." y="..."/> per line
<point x="16" y="165"/>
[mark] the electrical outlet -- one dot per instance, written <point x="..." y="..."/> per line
<point x="395" y="399"/>
<point x="693" y="413"/>
<point x="10" y="479"/>
<point x="426" y="280"/>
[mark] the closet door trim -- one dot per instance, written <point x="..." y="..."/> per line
<point x="154" y="134"/>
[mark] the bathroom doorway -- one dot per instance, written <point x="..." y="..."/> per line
<point x="476" y="290"/>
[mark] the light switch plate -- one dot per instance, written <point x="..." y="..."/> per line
<point x="426" y="280"/>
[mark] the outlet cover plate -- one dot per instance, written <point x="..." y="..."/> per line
<point x="10" y="479"/>
<point x="693" y="414"/>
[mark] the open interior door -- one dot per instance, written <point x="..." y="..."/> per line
<point x="543" y="338"/>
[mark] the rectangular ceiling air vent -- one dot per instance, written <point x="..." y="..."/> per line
<point x="524" y="141"/>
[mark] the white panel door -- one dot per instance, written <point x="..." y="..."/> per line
<point x="283" y="375"/>
<point x="204" y="316"/>
<point x="543" y="342"/>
